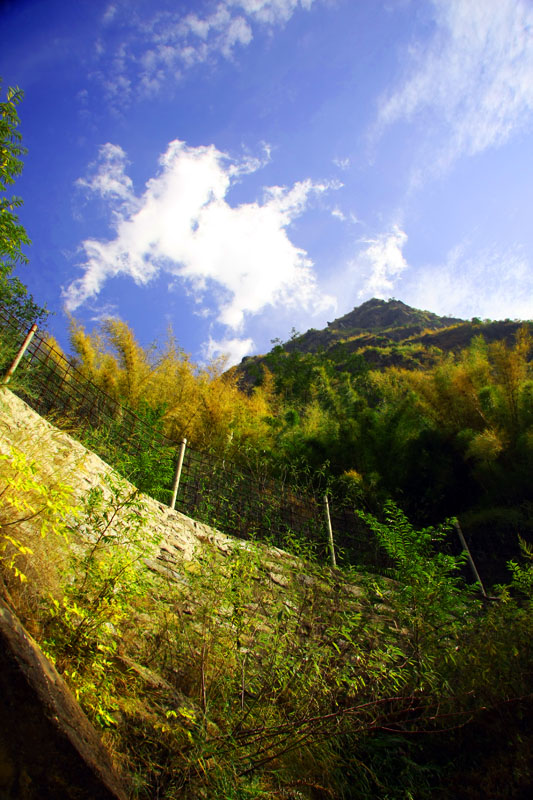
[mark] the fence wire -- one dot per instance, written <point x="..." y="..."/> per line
<point x="51" y="384"/>
<point x="212" y="489"/>
<point x="244" y="503"/>
<point x="248" y="504"/>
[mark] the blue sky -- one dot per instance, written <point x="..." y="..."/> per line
<point x="237" y="168"/>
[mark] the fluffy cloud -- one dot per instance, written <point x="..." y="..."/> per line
<point x="231" y="349"/>
<point x="156" y="49"/>
<point x="471" y="84"/>
<point x="235" y="260"/>
<point x="380" y="262"/>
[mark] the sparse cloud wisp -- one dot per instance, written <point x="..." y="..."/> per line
<point x="155" y="52"/>
<point x="380" y="262"/>
<point x="471" y="84"/>
<point x="464" y="285"/>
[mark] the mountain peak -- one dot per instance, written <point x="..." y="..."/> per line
<point x="380" y="314"/>
<point x="385" y="333"/>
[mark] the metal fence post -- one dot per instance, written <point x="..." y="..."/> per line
<point x="330" y="533"/>
<point x="177" y="474"/>
<point x="469" y="556"/>
<point x="24" y="347"/>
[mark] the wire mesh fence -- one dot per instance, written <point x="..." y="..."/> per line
<point x="248" y="504"/>
<point x="243" y="503"/>
<point x="51" y="384"/>
<point x="211" y="489"/>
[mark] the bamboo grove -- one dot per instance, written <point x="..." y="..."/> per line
<point x="455" y="438"/>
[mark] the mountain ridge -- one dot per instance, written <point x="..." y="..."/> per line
<point x="383" y="333"/>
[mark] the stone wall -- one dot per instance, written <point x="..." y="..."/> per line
<point x="65" y="459"/>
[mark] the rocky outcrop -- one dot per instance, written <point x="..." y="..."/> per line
<point x="61" y="458"/>
<point x="377" y="332"/>
<point x="48" y="748"/>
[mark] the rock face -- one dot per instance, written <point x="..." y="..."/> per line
<point x="48" y="748"/>
<point x="376" y="322"/>
<point x="380" y="314"/>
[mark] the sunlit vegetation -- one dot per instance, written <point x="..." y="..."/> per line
<point x="443" y="434"/>
<point x="344" y="683"/>
<point x="206" y="679"/>
<point x="202" y="404"/>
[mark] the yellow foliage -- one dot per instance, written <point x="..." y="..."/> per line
<point x="391" y="384"/>
<point x="56" y="353"/>
<point x="203" y="404"/>
<point x="34" y="504"/>
<point x="314" y="418"/>
<point x="479" y="390"/>
<point x="353" y="476"/>
<point x="86" y="348"/>
<point x="450" y="393"/>
<point x="133" y="362"/>
<point x="510" y="368"/>
<point x="485" y="446"/>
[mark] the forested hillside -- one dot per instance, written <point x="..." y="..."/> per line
<point x="436" y="414"/>
<point x="382" y="333"/>
<point x="433" y="412"/>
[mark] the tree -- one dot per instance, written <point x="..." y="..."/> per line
<point x="203" y="404"/>
<point x="13" y="293"/>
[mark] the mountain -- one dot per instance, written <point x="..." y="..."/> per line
<point x="384" y="333"/>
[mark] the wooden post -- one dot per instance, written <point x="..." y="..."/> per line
<point x="177" y="474"/>
<point x="24" y="347"/>
<point x="469" y="556"/>
<point x="330" y="533"/>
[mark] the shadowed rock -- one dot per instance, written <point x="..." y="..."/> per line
<point x="48" y="748"/>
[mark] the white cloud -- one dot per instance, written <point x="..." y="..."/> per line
<point x="338" y="214"/>
<point x="109" y="13"/>
<point x="464" y="286"/>
<point x="349" y="217"/>
<point x="108" y="177"/>
<point x="271" y="11"/>
<point x="238" y="259"/>
<point x="105" y="312"/>
<point x="342" y="163"/>
<point x="157" y="50"/>
<point x="471" y="84"/>
<point x="380" y="262"/>
<point x="233" y="350"/>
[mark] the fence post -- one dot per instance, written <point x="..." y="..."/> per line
<point x="330" y="533"/>
<point x="177" y="474"/>
<point x="469" y="556"/>
<point x="24" y="347"/>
